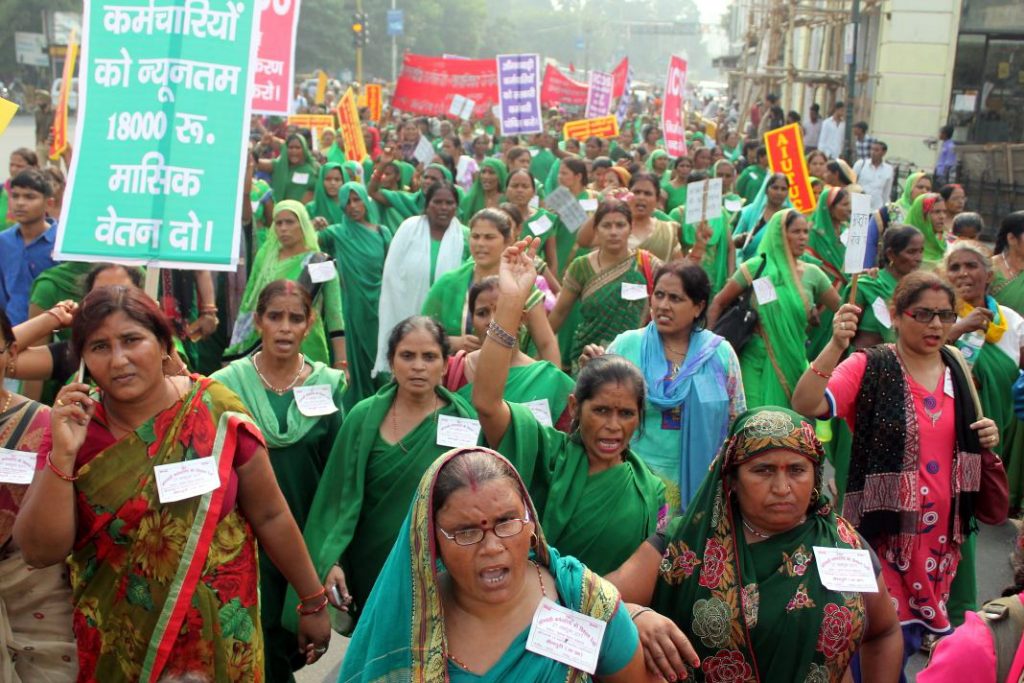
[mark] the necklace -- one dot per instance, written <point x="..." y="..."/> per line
<point x="7" y="403"/>
<point x="757" y="532"/>
<point x="394" y="424"/>
<point x="930" y="404"/>
<point x="267" y="383"/>
<point x="543" y="592"/>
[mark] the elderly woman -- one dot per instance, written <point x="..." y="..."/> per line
<point x="164" y="575"/>
<point x="918" y="436"/>
<point x="741" y="572"/>
<point x="470" y="572"/>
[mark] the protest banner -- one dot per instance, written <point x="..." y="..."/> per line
<point x="163" y="129"/>
<point x="786" y="155"/>
<point x="605" y="127"/>
<point x="59" y="142"/>
<point x="558" y="89"/>
<point x="519" y="94"/>
<point x="427" y="85"/>
<point x="672" y="110"/>
<point x="599" y="94"/>
<point x="374" y="100"/>
<point x="348" y="123"/>
<point x="7" y="111"/>
<point x="316" y="123"/>
<point x="620" y="78"/>
<point x="275" y="58"/>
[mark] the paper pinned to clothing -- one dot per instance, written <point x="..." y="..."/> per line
<point x="186" y="479"/>
<point x="541" y="410"/>
<point x="881" y="311"/>
<point x="764" y="290"/>
<point x="703" y="200"/>
<point x="847" y="570"/>
<point x="632" y="291"/>
<point x="567" y="207"/>
<point x="588" y="204"/>
<point x="541" y="225"/>
<point x="300" y="178"/>
<point x="424" y="152"/>
<point x="457" y="432"/>
<point x="17" y="467"/>
<point x="315" y="400"/>
<point x="321" y="271"/>
<point x="566" y="636"/>
<point x="732" y="205"/>
<point x="861" y="244"/>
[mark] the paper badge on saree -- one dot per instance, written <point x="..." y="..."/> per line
<point x="186" y="479"/>
<point x="846" y="570"/>
<point x="566" y="636"/>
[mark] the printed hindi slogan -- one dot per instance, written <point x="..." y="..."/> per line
<point x="519" y="94"/>
<point x="162" y="134"/>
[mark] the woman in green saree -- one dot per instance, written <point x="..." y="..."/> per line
<point x="914" y="186"/>
<point x="448" y="299"/>
<point x="928" y="214"/>
<point x="293" y="174"/>
<point x="775" y="356"/>
<point x="359" y="245"/>
<point x="575" y="474"/>
<point x="290" y="249"/>
<point x="397" y="205"/>
<point x="740" y="573"/>
<point x="298" y="436"/>
<point x="611" y="284"/>
<point x="164" y="577"/>
<point x="752" y="218"/>
<point x="653" y="234"/>
<point x="537" y="221"/>
<point x="385" y="445"/>
<point x="325" y="209"/>
<point x="487" y="191"/>
<point x="455" y="603"/>
<point x="828" y="222"/>
<point x="1008" y="282"/>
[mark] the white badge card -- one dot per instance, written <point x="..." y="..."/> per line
<point x="321" y="272"/>
<point x="764" y="290"/>
<point x="847" y="570"/>
<point x="186" y="479"/>
<point x="300" y="178"/>
<point x="632" y="291"/>
<point x="457" y="432"/>
<point x="541" y="410"/>
<point x="315" y="400"/>
<point x="881" y="311"/>
<point x="566" y="636"/>
<point x="17" y="467"/>
<point x="733" y="205"/>
<point x="541" y="225"/>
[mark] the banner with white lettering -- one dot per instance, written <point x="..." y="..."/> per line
<point x="275" y="59"/>
<point x="162" y="134"/>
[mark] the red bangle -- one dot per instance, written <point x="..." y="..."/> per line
<point x="818" y="372"/>
<point x="54" y="468"/>
<point x="319" y="594"/>
<point x="318" y="608"/>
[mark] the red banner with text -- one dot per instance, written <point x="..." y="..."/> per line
<point x="672" y="110"/>
<point x="786" y="155"/>
<point x="427" y="85"/>
<point x="558" y="89"/>
<point x="275" y="57"/>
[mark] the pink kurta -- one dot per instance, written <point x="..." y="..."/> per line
<point x="919" y="586"/>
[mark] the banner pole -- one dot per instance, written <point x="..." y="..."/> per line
<point x="853" y="288"/>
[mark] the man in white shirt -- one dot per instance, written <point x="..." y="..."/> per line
<point x="875" y="175"/>
<point x="812" y="127"/>
<point x="833" y="130"/>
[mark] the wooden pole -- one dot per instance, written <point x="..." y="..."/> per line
<point x="853" y="289"/>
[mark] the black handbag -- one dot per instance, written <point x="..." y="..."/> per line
<point x="737" y="324"/>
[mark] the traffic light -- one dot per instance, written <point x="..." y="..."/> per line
<point x="359" y="29"/>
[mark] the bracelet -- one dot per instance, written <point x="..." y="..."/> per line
<point x="60" y="323"/>
<point x="501" y="335"/>
<point x="640" y="611"/>
<point x="56" y="470"/>
<point x="209" y="314"/>
<point x="319" y="594"/>
<point x="310" y="612"/>
<point x="819" y="373"/>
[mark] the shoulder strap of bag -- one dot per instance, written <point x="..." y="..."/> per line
<point x="1005" y="619"/>
<point x="760" y="269"/>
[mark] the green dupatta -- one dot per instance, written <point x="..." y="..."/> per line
<point x="62" y="282"/>
<point x="404" y="205"/>
<point x="448" y="299"/>
<point x="401" y="636"/>
<point x="934" y="245"/>
<point x="282" y="173"/>
<point x="824" y="244"/>
<point x="359" y="249"/>
<point x="240" y="376"/>
<point x="476" y="198"/>
<point x="165" y="588"/>
<point x="905" y="202"/>
<point x="322" y="205"/>
<point x="870" y="289"/>
<point x="759" y="611"/>
<point x="358" y="509"/>
<point x="1007" y="292"/>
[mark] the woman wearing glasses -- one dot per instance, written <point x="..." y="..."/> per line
<point x="456" y="603"/>
<point x="910" y="408"/>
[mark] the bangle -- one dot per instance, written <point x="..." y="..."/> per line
<point x="818" y="372"/>
<point x="56" y="470"/>
<point x="60" y="323"/>
<point x="208" y="308"/>
<point x="319" y="594"/>
<point x="640" y="611"/>
<point x="310" y="612"/>
<point x="501" y="335"/>
<point x="209" y="314"/>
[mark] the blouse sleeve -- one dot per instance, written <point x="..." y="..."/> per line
<point x="817" y="281"/>
<point x="841" y="393"/>
<point x="574" y="278"/>
<point x="620" y="643"/>
<point x="739" y="278"/>
<point x="334" y="320"/>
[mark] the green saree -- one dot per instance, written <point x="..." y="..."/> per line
<point x="293" y="182"/>
<point x="448" y="299"/>
<point x="824" y="244"/>
<point x="404" y="205"/>
<point x="322" y="205"/>
<point x="358" y="509"/>
<point x="1007" y="292"/>
<point x="538" y="381"/>
<point x="530" y="227"/>
<point x="934" y="244"/>
<point x="359" y="249"/>
<point x="476" y="198"/>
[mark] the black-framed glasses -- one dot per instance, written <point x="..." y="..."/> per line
<point x="472" y="536"/>
<point x="926" y="315"/>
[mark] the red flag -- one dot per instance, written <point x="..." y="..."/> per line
<point x="619" y="75"/>
<point x="427" y="85"/>
<point x="558" y="89"/>
<point x="672" y="111"/>
<point x="572" y="68"/>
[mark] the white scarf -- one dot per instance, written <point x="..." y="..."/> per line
<point x="406" y="278"/>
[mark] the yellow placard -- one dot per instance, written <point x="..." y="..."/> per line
<point x="606" y="127"/>
<point x="7" y="111"/>
<point x="351" y="131"/>
<point x="321" y="87"/>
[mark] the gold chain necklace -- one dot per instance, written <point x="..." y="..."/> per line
<point x="7" y="403"/>
<point x="266" y="382"/>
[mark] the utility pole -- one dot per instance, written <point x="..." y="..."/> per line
<point x="359" y="28"/>
<point x="394" y="51"/>
<point x="851" y="84"/>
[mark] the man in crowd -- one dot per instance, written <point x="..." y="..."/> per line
<point x="833" y="131"/>
<point x="861" y="141"/>
<point x="875" y="175"/>
<point x="26" y="248"/>
<point x="812" y="127"/>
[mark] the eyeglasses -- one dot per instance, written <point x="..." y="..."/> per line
<point x="506" y="529"/>
<point x="926" y="315"/>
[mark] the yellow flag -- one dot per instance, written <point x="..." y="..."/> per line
<point x="7" y="112"/>
<point x="321" y="87"/>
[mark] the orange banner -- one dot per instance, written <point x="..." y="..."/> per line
<point x="374" y="100"/>
<point x="786" y="155"/>
<point x="351" y="132"/>
<point x="59" y="142"/>
<point x="316" y="123"/>
<point x="603" y="127"/>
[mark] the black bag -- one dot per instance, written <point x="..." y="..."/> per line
<point x="737" y="324"/>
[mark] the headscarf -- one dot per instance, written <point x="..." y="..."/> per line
<point x="905" y="202"/>
<point x="751" y="214"/>
<point x="262" y="269"/>
<point x="323" y="205"/>
<point x="734" y="596"/>
<point x="656" y="154"/>
<point x="476" y="198"/>
<point x="283" y="172"/>
<point x="846" y="174"/>
<point x="824" y="243"/>
<point x="623" y="175"/>
<point x="401" y="634"/>
<point x="934" y="245"/>
<point x="335" y="153"/>
<point x="352" y="171"/>
<point x="372" y="212"/>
